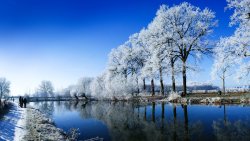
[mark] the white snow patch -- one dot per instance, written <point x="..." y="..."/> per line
<point x="20" y="129"/>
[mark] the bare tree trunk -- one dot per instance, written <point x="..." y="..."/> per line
<point x="138" y="87"/>
<point x="76" y="97"/>
<point x="184" y="76"/>
<point x="125" y="74"/>
<point x="223" y="85"/>
<point x="152" y="87"/>
<point x="161" y="82"/>
<point x="173" y="75"/>
<point x="144" y="84"/>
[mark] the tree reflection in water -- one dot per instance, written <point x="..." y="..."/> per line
<point x="225" y="130"/>
<point x="150" y="121"/>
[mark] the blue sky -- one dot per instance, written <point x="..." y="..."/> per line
<point x="63" y="40"/>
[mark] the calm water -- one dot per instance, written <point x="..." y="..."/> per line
<point x="125" y="121"/>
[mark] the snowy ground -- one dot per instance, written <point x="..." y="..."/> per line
<point x="12" y="125"/>
<point x="39" y="127"/>
<point x="28" y="124"/>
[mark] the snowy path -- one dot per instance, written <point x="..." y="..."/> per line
<point x="12" y="127"/>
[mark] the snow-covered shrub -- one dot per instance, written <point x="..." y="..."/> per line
<point x="173" y="96"/>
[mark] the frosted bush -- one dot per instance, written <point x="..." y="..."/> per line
<point x="173" y="96"/>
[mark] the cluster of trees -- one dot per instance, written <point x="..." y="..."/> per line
<point x="231" y="54"/>
<point x="82" y="88"/>
<point x="169" y="45"/>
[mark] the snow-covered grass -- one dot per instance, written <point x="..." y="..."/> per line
<point x="39" y="127"/>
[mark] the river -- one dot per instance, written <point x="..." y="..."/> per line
<point x="127" y="121"/>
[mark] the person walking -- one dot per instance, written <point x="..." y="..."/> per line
<point x="24" y="102"/>
<point x="21" y="102"/>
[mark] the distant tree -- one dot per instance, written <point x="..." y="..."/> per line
<point x="224" y="60"/>
<point x="83" y="86"/>
<point x="66" y="92"/>
<point x="4" y="88"/>
<point x="46" y="89"/>
<point x="98" y="86"/>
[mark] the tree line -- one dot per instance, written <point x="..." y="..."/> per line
<point x="171" y="45"/>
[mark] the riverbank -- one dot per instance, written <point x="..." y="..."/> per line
<point x="39" y="127"/>
<point x="22" y="124"/>
<point x="235" y="98"/>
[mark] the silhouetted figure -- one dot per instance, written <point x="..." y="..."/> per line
<point x="24" y="102"/>
<point x="21" y="102"/>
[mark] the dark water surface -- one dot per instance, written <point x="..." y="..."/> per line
<point x="126" y="121"/>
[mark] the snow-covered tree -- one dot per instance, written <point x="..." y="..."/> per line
<point x="46" y="89"/>
<point x="190" y="26"/>
<point x="83" y="86"/>
<point x="4" y="88"/>
<point x="139" y="57"/>
<point x="158" y="52"/>
<point x="122" y="68"/>
<point x="117" y="61"/>
<point x="241" y="14"/>
<point x="174" y="34"/>
<point x="148" y="70"/>
<point x="241" y="37"/>
<point x="98" y="86"/>
<point x="160" y="40"/>
<point x="225" y="60"/>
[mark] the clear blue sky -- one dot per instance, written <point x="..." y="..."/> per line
<point x="63" y="40"/>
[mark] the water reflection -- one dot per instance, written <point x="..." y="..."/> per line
<point x="149" y="121"/>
